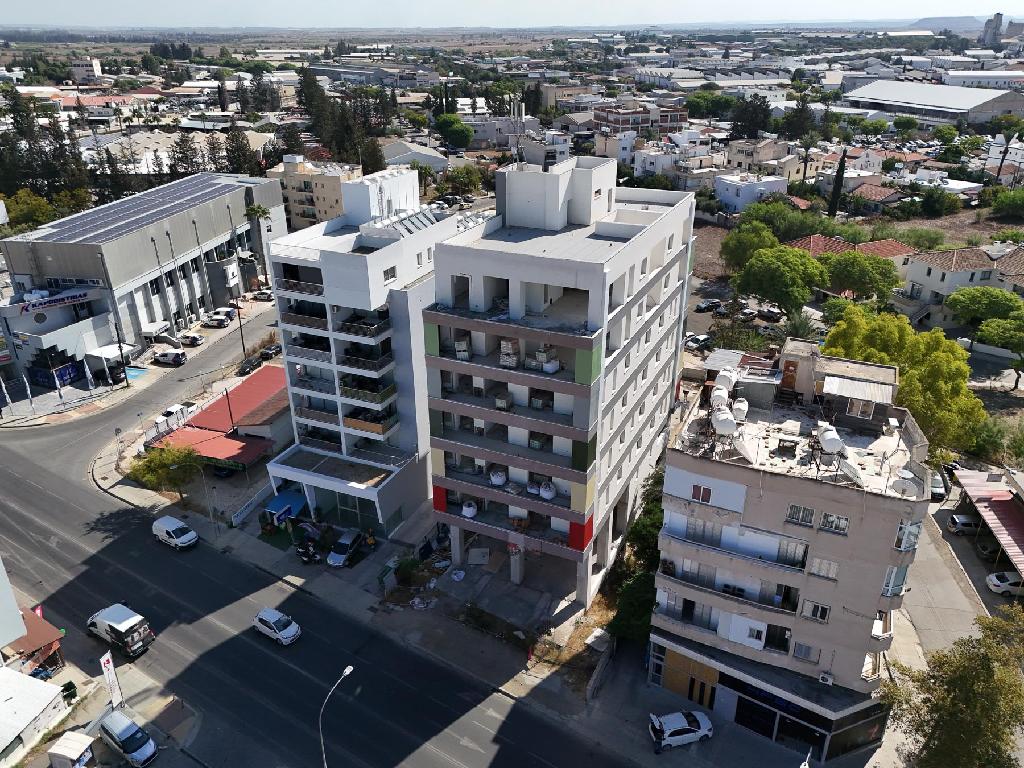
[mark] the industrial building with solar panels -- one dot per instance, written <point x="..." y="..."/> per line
<point x="158" y="259"/>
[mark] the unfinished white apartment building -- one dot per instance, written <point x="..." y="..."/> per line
<point x="350" y="294"/>
<point x="551" y="363"/>
<point x="794" y="498"/>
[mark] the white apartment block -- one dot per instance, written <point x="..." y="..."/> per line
<point x="551" y="364"/>
<point x="350" y="294"/>
<point x="312" y="190"/>
<point x="86" y="70"/>
<point x="619" y="146"/>
<point x="736" y="191"/>
<point x="794" y="497"/>
<point x="548" y="149"/>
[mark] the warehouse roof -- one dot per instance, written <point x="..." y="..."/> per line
<point x="926" y="95"/>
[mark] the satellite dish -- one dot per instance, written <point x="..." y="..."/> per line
<point x="904" y="487"/>
<point x="851" y="472"/>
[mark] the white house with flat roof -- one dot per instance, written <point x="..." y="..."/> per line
<point x="738" y="190"/>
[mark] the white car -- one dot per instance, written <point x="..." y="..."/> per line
<point x="174" y="533"/>
<point x="263" y="295"/>
<point x="679" y="728"/>
<point x="192" y="339"/>
<point x="128" y="739"/>
<point x="696" y="343"/>
<point x="1006" y="583"/>
<point x="277" y="626"/>
<point x="938" y="487"/>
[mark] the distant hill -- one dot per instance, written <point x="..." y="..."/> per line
<point x="958" y="24"/>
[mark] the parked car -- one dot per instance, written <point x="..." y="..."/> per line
<point x="746" y="315"/>
<point x="192" y="339"/>
<point x="988" y="548"/>
<point x="171" y="357"/>
<point x="345" y="548"/>
<point x="678" y="728"/>
<point x="172" y="410"/>
<point x="224" y="472"/>
<point x="270" y="351"/>
<point x="249" y="365"/>
<point x="706" y="305"/>
<point x="468" y="198"/>
<point x="938" y="487"/>
<point x="127" y="739"/>
<point x="721" y="311"/>
<point x="216" y="321"/>
<point x="117" y="375"/>
<point x="174" y="533"/>
<point x="771" y="314"/>
<point x="1005" y="583"/>
<point x="277" y="626"/>
<point x="230" y="312"/>
<point x="698" y="343"/>
<point x="263" y="295"/>
<point x="959" y="524"/>
<point x="769" y="330"/>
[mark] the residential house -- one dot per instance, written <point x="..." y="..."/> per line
<point x="404" y="153"/>
<point x="736" y="191"/>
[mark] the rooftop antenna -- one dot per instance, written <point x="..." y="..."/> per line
<point x="518" y="123"/>
<point x="380" y="201"/>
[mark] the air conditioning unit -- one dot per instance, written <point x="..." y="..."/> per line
<point x="825" y="678"/>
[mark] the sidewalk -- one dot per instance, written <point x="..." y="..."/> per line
<point x="616" y="720"/>
<point x="171" y="722"/>
<point x="47" y="407"/>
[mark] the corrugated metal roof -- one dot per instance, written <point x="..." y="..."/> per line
<point x="861" y="390"/>
<point x="926" y="95"/>
<point x="1001" y="510"/>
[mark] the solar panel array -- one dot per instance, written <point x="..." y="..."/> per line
<point x="115" y="220"/>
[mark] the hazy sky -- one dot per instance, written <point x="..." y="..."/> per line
<point x="446" y="13"/>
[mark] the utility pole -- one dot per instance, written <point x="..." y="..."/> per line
<point x="241" y="333"/>
<point x="117" y="323"/>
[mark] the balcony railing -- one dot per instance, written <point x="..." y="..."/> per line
<point x="323" y="445"/>
<point x="698" y="544"/>
<point x="297" y="286"/>
<point x="367" y="395"/>
<point x="305" y="321"/>
<point x="786" y="603"/>
<point x="316" y="385"/>
<point x="366" y="327"/>
<point x="366" y="423"/>
<point x="315" y="414"/>
<point x="365" y="363"/>
<point x="309" y="353"/>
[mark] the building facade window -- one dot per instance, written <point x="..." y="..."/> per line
<point x="907" y="535"/>
<point x="701" y="493"/>
<point x="806" y="653"/>
<point x="860" y="409"/>
<point x="826" y="569"/>
<point x="834" y="523"/>
<point x="391" y="273"/>
<point x="800" y="515"/>
<point x="154" y="287"/>
<point x="815" y="611"/>
<point x="895" y="579"/>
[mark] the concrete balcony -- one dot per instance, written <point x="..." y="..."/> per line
<point x="535" y="536"/>
<point x="371" y="423"/>
<point x="510" y="494"/>
<point x="297" y="286"/>
<point x="787" y="604"/>
<point x="377" y="398"/>
<point x="560" y="328"/>
<point x="317" y="414"/>
<point x="366" y="366"/>
<point x="500" y="451"/>
<point x="320" y="445"/>
<point x="363" y="328"/>
<point x="562" y="381"/>
<point x="308" y="353"/>
<point x="542" y="420"/>
<point x="304" y="321"/>
<point x="309" y="384"/>
<point x="674" y="547"/>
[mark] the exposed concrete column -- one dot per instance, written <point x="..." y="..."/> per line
<point x="310" y="492"/>
<point x="583" y="579"/>
<point x="603" y="548"/>
<point x="516" y="560"/>
<point x="455" y="533"/>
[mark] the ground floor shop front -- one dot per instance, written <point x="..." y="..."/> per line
<point x="830" y="723"/>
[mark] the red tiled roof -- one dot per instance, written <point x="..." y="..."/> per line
<point x="267" y="412"/>
<point x="956" y="260"/>
<point x="887" y="249"/>
<point x="234" y="406"/>
<point x="799" y="203"/>
<point x="903" y="157"/>
<point x="1012" y="264"/>
<point x="70" y="102"/>
<point x="819" y="244"/>
<point x="39" y="634"/>
<point x="217" y="445"/>
<point x="876" y="193"/>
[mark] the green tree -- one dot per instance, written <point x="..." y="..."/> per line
<point x="837" y="186"/>
<point x="1007" y="333"/>
<point x="27" y="209"/>
<point x="742" y="243"/>
<point x="945" y="133"/>
<point x="937" y="202"/>
<point x="709" y="104"/>
<point x="1009" y="204"/>
<point x="642" y="535"/>
<point x="808" y="141"/>
<point x="751" y="116"/>
<point x="874" y="127"/>
<point x="799" y="120"/>
<point x="463" y="180"/>
<point x="415" y="119"/>
<point x="239" y="155"/>
<point x="799" y="326"/>
<point x="862" y="273"/>
<point x="976" y="680"/>
<point x="425" y="172"/>
<point x="632" y="620"/>
<point x="922" y="238"/>
<point x="291" y="139"/>
<point x="185" y="156"/>
<point x="782" y="275"/>
<point x="905" y="125"/>
<point x="372" y="156"/>
<point x="833" y="309"/>
<point x="933" y="372"/>
<point x="975" y="304"/>
<point x="170" y="468"/>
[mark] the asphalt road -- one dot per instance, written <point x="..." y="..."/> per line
<point x="77" y="550"/>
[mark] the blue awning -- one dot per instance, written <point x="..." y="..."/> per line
<point x="286" y="504"/>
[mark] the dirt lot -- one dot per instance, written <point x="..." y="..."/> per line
<point x="958" y="227"/>
<point x="707" y="263"/>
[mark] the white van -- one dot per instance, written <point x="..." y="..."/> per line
<point x="174" y="533"/>
<point x="123" y="628"/>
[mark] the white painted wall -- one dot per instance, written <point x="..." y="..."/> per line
<point x="724" y="493"/>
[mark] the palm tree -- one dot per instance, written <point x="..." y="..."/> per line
<point x="1008" y="136"/>
<point x="800" y="327"/>
<point x="807" y="143"/>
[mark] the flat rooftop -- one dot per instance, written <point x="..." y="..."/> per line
<point x="346" y="471"/>
<point x="122" y="217"/>
<point x="783" y="440"/>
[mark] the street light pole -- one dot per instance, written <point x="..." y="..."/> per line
<point x="320" y="719"/>
<point x="117" y="322"/>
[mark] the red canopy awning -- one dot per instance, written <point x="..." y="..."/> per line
<point x="1000" y="508"/>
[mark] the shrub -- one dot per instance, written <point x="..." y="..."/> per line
<point x="1009" y="204"/>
